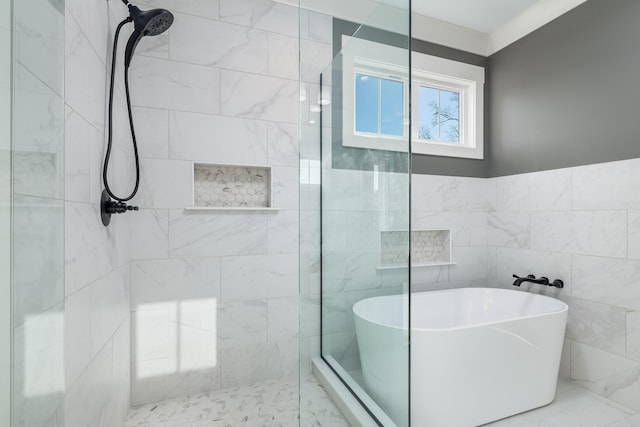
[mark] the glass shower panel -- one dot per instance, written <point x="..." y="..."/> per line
<point x="5" y="212"/>
<point x="365" y="211"/>
<point x="37" y="159"/>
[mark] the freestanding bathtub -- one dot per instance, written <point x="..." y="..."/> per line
<point x="477" y="354"/>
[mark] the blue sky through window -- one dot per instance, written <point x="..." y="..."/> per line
<point x="379" y="105"/>
<point x="438" y="114"/>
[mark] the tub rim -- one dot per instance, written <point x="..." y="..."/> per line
<point x="563" y="309"/>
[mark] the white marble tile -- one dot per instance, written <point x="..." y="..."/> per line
<point x="283" y="56"/>
<point x="607" y="186"/>
<point x="509" y="229"/>
<point x="242" y="323"/>
<point x="602" y="233"/>
<point x="427" y="193"/>
<point x="465" y="194"/>
<point x="523" y="262"/>
<point x="285" y="182"/>
<point x="175" y="85"/>
<point x="37" y="256"/>
<point x="85" y="76"/>
<point x="457" y="222"/>
<point x="178" y="339"/>
<point x="264" y="14"/>
<point x="283" y="318"/>
<point x="77" y="334"/>
<point x="349" y="270"/>
<point x="634" y="234"/>
<point x="121" y="395"/>
<point x="282" y="233"/>
<point x="109" y="306"/>
<point x="38" y="40"/>
<point x="152" y="132"/>
<point x="216" y="234"/>
<point x="607" y="374"/>
<point x="90" y="16"/>
<point x="203" y="137"/>
<point x="258" y="97"/>
<point x="259" y="276"/>
<point x="471" y="265"/>
<point x="204" y="8"/>
<point x="235" y="47"/>
<point x="633" y="421"/>
<point x="164" y="184"/>
<point x="572" y="406"/>
<point x="492" y="266"/>
<point x="607" y="280"/>
<point x="258" y="362"/>
<point x="38" y="367"/>
<point x="633" y="335"/>
<point x="478" y="228"/>
<point x="315" y="58"/>
<point x="152" y="337"/>
<point x="80" y="138"/>
<point x="174" y="280"/>
<point x="565" y="361"/>
<point x="87" y="402"/>
<point x="283" y="144"/>
<point x="150" y="234"/>
<point x="155" y="47"/>
<point x="38" y="114"/>
<point x="538" y="191"/>
<point x="598" y="325"/>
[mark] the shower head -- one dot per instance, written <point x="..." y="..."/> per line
<point x="146" y="23"/>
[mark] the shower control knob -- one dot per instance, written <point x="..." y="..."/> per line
<point x="109" y="207"/>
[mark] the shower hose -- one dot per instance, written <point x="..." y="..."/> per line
<point x="107" y="156"/>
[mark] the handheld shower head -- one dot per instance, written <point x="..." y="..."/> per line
<point x="146" y="23"/>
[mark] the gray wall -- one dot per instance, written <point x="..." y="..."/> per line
<point x="569" y="93"/>
<point x="451" y="166"/>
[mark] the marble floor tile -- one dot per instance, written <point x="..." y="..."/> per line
<point x="270" y="403"/>
<point x="573" y="407"/>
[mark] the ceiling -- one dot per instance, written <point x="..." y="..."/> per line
<point x="481" y="15"/>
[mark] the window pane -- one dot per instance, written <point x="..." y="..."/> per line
<point x="449" y="116"/>
<point x="392" y="111"/>
<point x="428" y="113"/>
<point x="367" y="95"/>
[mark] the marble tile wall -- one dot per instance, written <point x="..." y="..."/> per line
<point x="97" y="259"/>
<point x="214" y="295"/>
<point x="580" y="225"/>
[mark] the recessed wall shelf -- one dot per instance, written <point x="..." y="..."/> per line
<point x="429" y="248"/>
<point x="224" y="187"/>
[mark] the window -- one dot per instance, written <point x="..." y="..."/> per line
<point x="447" y="101"/>
<point x="448" y="107"/>
<point x="379" y="105"/>
<point x="375" y="93"/>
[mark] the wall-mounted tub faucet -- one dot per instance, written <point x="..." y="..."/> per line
<point x="541" y="281"/>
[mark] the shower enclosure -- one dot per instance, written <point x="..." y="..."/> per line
<point x="355" y="197"/>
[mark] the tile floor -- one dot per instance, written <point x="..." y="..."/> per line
<point x="574" y="407"/>
<point x="275" y="403"/>
<point x="271" y="403"/>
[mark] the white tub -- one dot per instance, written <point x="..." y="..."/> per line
<point x="477" y="354"/>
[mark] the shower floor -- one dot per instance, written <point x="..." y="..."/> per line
<point x="270" y="403"/>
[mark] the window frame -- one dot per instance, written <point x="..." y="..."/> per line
<point x="378" y="60"/>
<point x="361" y="56"/>
<point x="464" y="78"/>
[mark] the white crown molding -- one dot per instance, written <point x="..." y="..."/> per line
<point x="450" y="35"/>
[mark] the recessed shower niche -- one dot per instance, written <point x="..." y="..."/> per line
<point x="428" y="248"/>
<point x="231" y="187"/>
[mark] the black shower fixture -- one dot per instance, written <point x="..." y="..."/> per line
<point x="146" y="23"/>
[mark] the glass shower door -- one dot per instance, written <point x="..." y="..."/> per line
<point x="365" y="211"/>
